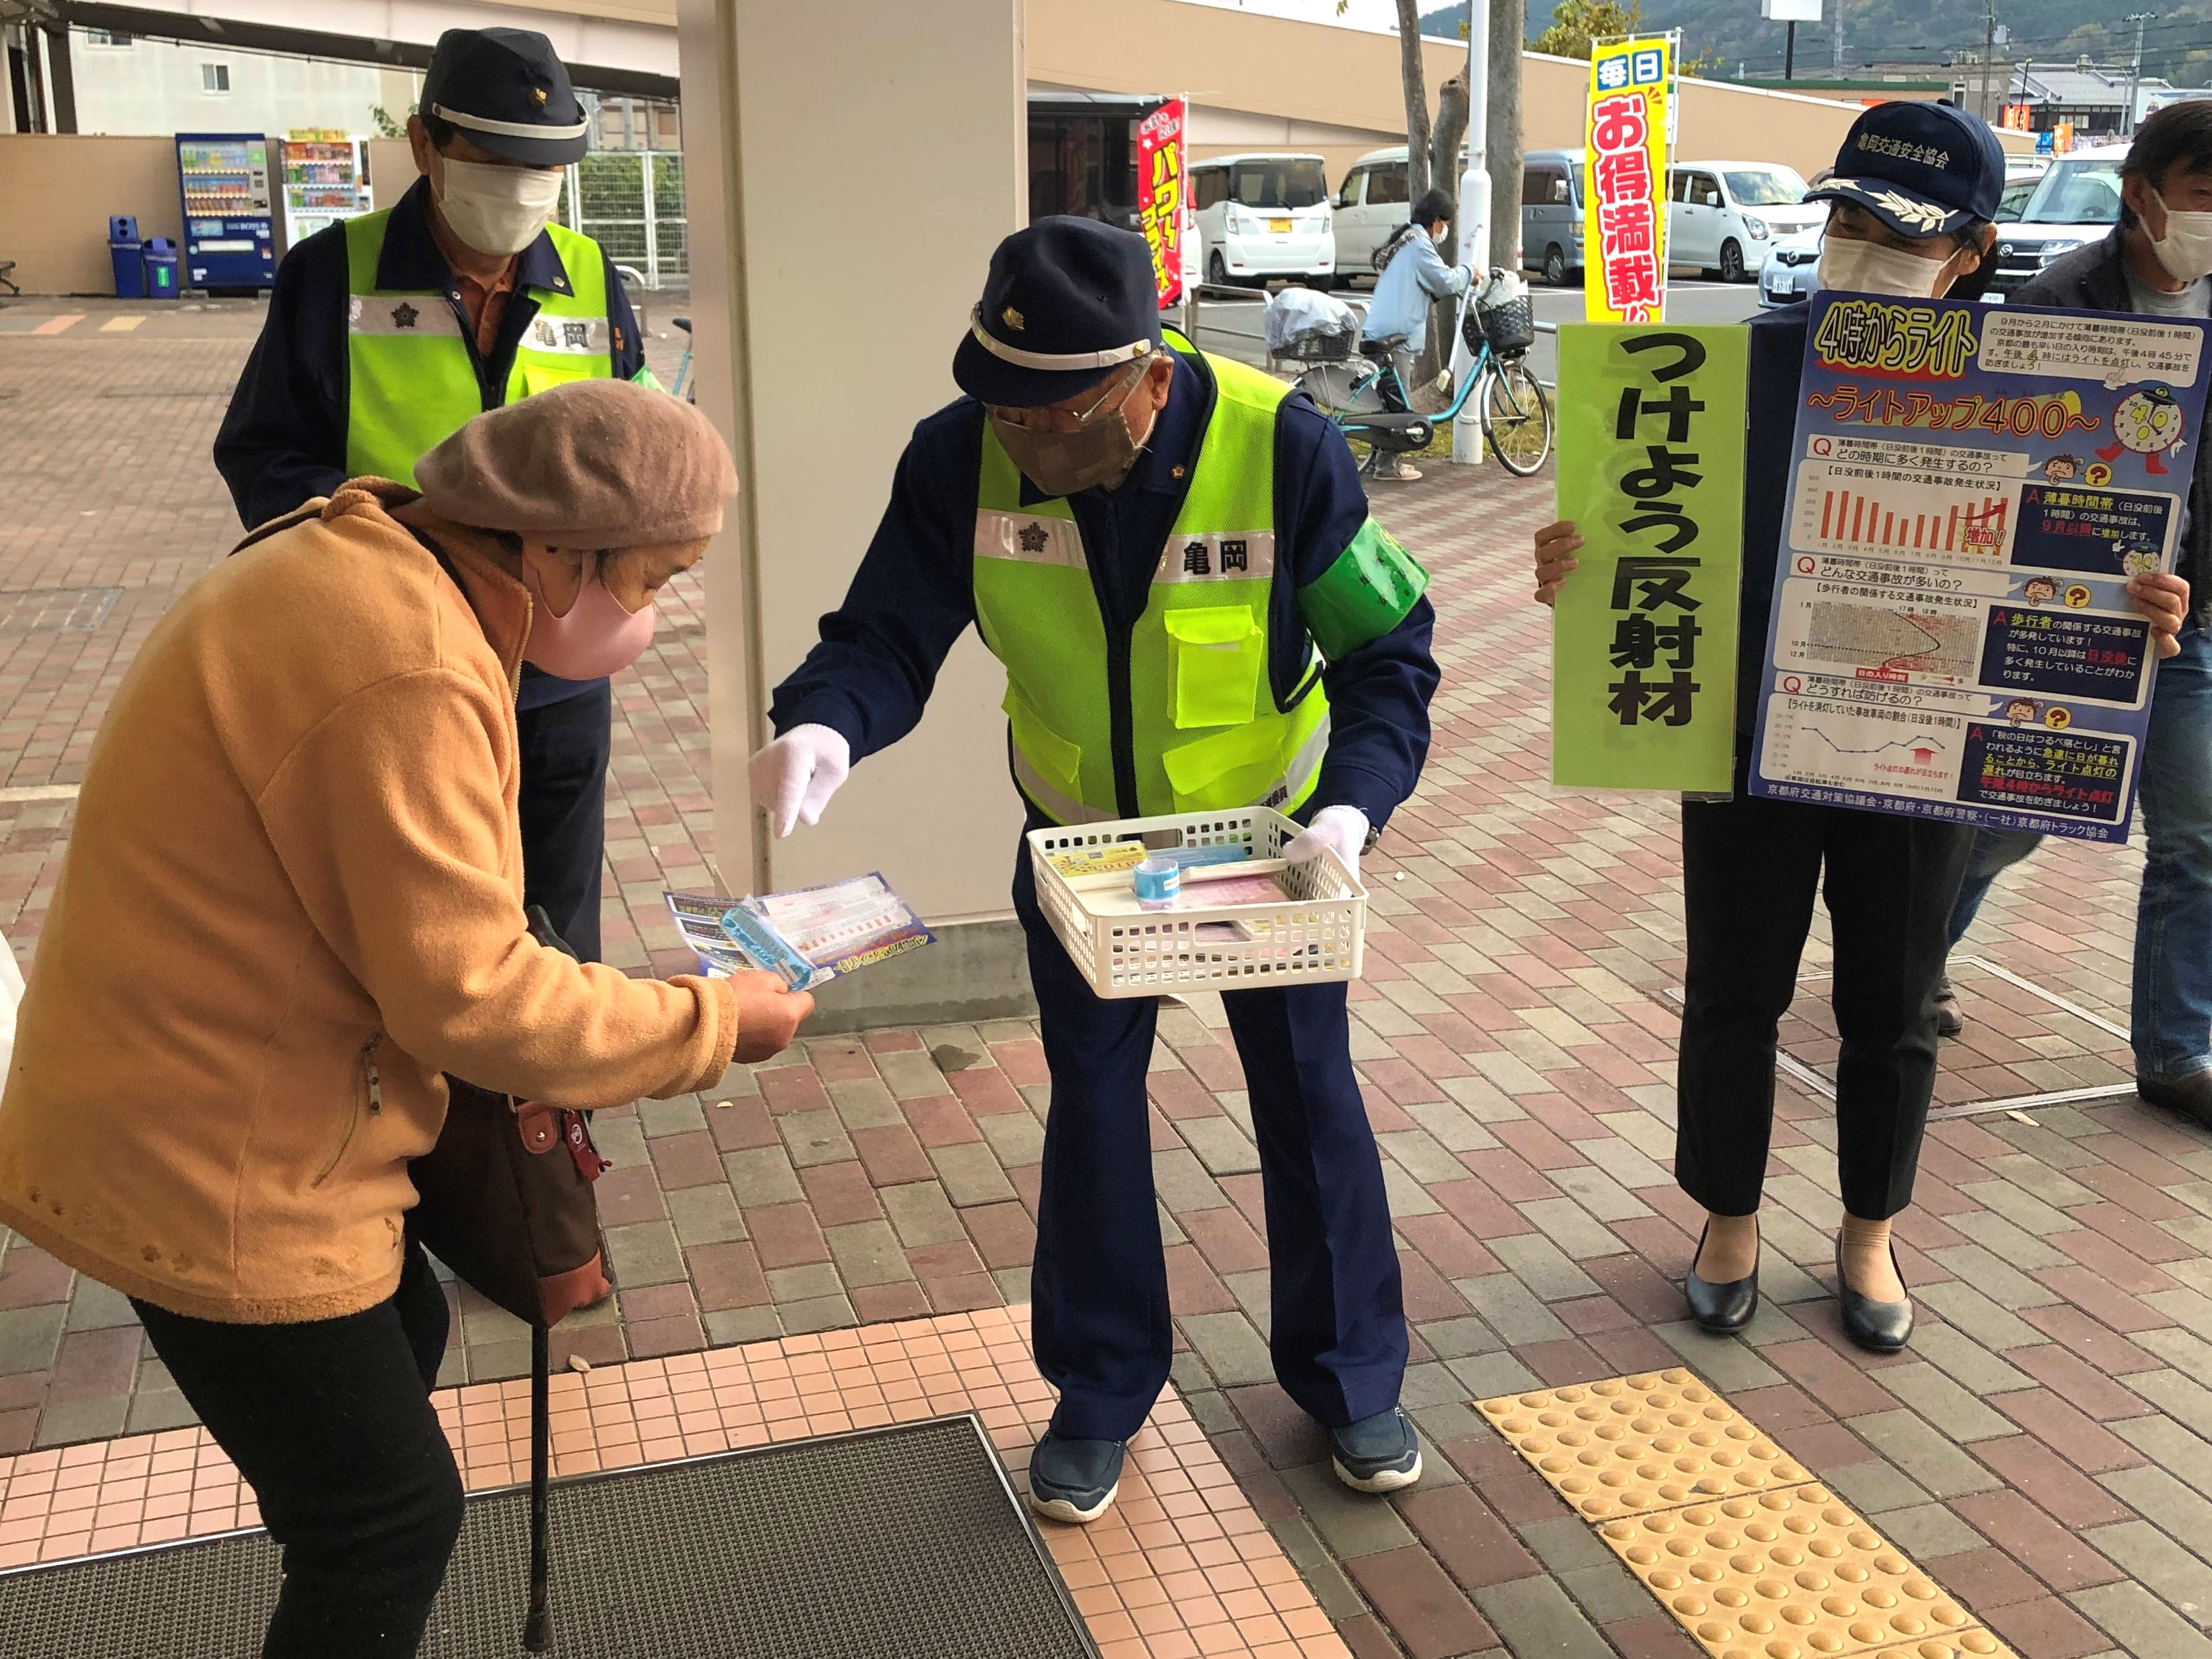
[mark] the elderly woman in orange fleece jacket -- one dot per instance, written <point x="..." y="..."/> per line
<point x="293" y="898"/>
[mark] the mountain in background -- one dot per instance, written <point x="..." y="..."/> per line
<point x="1729" y="37"/>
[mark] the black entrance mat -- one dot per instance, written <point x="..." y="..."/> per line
<point x="877" y="1544"/>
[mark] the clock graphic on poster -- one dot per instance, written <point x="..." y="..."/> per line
<point x="2148" y="422"/>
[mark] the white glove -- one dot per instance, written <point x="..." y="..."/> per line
<point x="793" y="777"/>
<point x="1342" y="829"/>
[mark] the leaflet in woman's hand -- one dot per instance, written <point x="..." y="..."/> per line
<point x="808" y="936"/>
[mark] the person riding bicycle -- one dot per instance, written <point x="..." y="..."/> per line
<point x="1413" y="275"/>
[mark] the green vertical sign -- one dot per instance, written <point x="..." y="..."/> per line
<point x="1644" y="634"/>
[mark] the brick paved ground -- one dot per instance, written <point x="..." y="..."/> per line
<point x="2042" y="1448"/>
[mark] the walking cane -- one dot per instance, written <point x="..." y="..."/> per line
<point x="537" y="1628"/>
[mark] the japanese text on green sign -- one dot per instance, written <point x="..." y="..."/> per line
<point x="1651" y="435"/>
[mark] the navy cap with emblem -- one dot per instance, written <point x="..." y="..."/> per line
<point x="1923" y="169"/>
<point x="1067" y="301"/>
<point x="508" y="93"/>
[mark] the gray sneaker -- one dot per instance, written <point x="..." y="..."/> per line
<point x="1381" y="1453"/>
<point x="1073" y="1481"/>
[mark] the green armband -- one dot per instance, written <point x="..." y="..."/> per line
<point x="1364" y="595"/>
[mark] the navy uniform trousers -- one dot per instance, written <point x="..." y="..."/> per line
<point x="1099" y="1317"/>
<point x="562" y="804"/>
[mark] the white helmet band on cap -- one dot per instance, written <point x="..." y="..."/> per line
<point x="1054" y="360"/>
<point x="508" y="129"/>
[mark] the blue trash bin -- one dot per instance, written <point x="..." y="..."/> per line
<point x="124" y="253"/>
<point x="161" y="262"/>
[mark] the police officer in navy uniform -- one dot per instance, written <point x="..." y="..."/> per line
<point x="1173" y="558"/>
<point x="386" y="332"/>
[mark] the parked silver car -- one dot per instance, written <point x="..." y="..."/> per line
<point x="1786" y="278"/>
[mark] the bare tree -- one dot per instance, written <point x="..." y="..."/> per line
<point x="1417" y="98"/>
<point x="1502" y="130"/>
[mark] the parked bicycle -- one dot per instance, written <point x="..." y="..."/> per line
<point x="1498" y="324"/>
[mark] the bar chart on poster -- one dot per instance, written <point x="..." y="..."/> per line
<point x="1970" y="492"/>
<point x="1850" y="513"/>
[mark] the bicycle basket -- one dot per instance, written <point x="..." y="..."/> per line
<point x="1318" y="346"/>
<point x="1509" y="326"/>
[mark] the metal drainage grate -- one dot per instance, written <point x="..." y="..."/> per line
<point x="900" y="1543"/>
<point x="56" y="610"/>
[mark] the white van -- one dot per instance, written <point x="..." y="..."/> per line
<point x="1721" y="215"/>
<point x="1371" y="208"/>
<point x="1263" y="215"/>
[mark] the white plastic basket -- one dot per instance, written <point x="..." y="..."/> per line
<point x="1124" y="951"/>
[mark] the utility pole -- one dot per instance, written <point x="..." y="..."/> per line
<point x="1837" y="39"/>
<point x="1790" y="52"/>
<point x="1989" y="49"/>
<point x="2134" y="71"/>
<point x="1474" y="209"/>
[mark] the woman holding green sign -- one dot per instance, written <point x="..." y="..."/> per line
<point x="1910" y="205"/>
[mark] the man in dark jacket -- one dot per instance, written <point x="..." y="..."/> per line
<point x="2158" y="263"/>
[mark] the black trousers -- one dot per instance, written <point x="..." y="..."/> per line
<point x="331" y="1425"/>
<point x="1750" y="868"/>
<point x="565" y="746"/>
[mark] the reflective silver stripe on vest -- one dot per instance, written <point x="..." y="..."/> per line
<point x="581" y="336"/>
<point x="1062" y="809"/>
<point x="1227" y="555"/>
<point x="1027" y="539"/>
<point x="1303" y="766"/>
<point x="392" y="315"/>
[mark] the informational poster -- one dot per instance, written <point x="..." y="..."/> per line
<point x="1971" y="488"/>
<point x="1643" y="633"/>
<point x="1160" y="195"/>
<point x="1625" y="139"/>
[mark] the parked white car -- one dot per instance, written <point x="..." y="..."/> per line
<point x="2076" y="202"/>
<point x="1786" y="278"/>
<point x="1371" y="208"/>
<point x="1723" y="215"/>
<point x="1263" y="215"/>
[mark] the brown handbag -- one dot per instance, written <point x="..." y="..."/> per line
<point x="505" y="1198"/>
<point x="506" y="1203"/>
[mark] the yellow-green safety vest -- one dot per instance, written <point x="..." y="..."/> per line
<point x="1205" y="734"/>
<point x="413" y="379"/>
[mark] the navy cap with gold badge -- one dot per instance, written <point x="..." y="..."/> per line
<point x="508" y="93"/>
<point x="1067" y="301"/>
<point x="1923" y="169"/>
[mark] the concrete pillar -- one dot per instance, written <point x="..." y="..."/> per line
<point x="850" y="165"/>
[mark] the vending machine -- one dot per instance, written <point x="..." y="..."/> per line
<point x="230" y="238"/>
<point x="326" y="181"/>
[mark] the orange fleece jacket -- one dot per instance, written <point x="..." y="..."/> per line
<point x="296" y="856"/>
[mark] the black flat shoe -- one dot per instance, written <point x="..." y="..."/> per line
<point x="1723" y="1309"/>
<point x="1881" y="1327"/>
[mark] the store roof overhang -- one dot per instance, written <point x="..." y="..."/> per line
<point x="204" y="28"/>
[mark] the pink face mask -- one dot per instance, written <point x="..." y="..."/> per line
<point x="595" y="638"/>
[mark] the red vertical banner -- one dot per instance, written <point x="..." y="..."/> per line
<point x="1160" y="195"/>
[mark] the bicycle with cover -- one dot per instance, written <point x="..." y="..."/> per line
<point x="1498" y="324"/>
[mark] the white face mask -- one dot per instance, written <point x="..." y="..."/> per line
<point x="497" y="210"/>
<point x="2185" y="250"/>
<point x="1853" y="267"/>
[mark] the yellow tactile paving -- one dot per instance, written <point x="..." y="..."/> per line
<point x="1629" y="1444"/>
<point x="1754" y="1558"/>
<point x="1790" y="1573"/>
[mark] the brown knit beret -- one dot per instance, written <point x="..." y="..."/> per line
<point x="592" y="463"/>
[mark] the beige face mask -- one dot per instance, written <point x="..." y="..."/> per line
<point x="1099" y="452"/>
